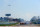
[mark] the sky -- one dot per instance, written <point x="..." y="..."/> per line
<point x="24" y="9"/>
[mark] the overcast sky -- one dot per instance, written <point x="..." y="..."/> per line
<point x="24" y="9"/>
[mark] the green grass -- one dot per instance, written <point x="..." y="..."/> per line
<point x="14" y="24"/>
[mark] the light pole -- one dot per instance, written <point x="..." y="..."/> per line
<point x="8" y="16"/>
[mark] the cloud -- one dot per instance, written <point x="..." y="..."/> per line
<point x="29" y="15"/>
